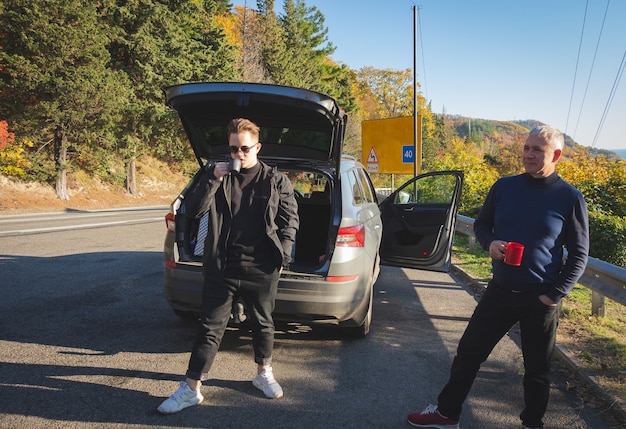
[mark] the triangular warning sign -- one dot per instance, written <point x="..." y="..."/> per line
<point x="372" y="158"/>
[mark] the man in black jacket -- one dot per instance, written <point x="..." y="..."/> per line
<point x="253" y="221"/>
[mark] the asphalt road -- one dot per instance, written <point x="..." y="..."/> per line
<point x="87" y="340"/>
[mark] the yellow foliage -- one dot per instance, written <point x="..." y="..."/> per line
<point x="12" y="158"/>
<point x="601" y="180"/>
<point x="478" y="175"/>
<point x="230" y="24"/>
<point x="583" y="169"/>
<point x="386" y="93"/>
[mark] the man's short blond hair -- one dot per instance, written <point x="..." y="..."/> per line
<point x="242" y="125"/>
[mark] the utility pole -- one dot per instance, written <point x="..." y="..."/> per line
<point x="417" y="151"/>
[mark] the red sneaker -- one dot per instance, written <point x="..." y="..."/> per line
<point x="430" y="418"/>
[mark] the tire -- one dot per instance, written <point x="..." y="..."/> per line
<point x="362" y="330"/>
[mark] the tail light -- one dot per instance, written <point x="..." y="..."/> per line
<point x="351" y="236"/>
<point x="170" y="222"/>
<point x="341" y="279"/>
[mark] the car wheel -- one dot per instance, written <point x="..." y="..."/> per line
<point x="362" y="330"/>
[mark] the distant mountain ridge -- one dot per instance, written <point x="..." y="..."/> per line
<point x="621" y="153"/>
<point x="510" y="131"/>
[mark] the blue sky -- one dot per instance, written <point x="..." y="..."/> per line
<point x="497" y="59"/>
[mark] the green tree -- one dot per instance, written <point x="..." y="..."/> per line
<point x="306" y="45"/>
<point x="56" y="86"/>
<point x="339" y="82"/>
<point x="273" y="55"/>
<point x="438" y="141"/>
<point x="508" y="158"/>
<point x="607" y="234"/>
<point x="159" y="44"/>
<point x="295" y="44"/>
<point x="290" y="49"/>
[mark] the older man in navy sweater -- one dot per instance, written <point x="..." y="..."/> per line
<point x="546" y="214"/>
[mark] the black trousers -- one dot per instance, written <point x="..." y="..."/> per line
<point x="257" y="288"/>
<point x="498" y="310"/>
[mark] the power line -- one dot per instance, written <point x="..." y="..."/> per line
<point x="591" y="69"/>
<point x="582" y="32"/>
<point x="620" y="70"/>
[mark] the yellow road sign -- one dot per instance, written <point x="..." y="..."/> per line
<point x="387" y="145"/>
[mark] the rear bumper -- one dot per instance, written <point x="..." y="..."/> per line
<point x="183" y="287"/>
<point x="307" y="298"/>
<point x="321" y="301"/>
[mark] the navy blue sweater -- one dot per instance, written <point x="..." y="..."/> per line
<point x="544" y="215"/>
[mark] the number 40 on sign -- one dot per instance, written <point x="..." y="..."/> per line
<point x="408" y="154"/>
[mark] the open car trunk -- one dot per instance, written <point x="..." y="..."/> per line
<point x="315" y="210"/>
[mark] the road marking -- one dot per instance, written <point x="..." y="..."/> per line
<point x="83" y="226"/>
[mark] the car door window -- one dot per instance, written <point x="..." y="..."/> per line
<point x="428" y="190"/>
<point x="357" y="192"/>
<point x="366" y="186"/>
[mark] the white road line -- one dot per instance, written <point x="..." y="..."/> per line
<point x="82" y="226"/>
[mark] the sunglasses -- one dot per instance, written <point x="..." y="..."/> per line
<point x="244" y="149"/>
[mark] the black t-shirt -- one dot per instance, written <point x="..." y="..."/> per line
<point x="248" y="243"/>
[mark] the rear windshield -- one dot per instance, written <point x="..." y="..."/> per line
<point x="277" y="142"/>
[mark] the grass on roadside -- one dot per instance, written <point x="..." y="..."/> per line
<point x="598" y="342"/>
<point x="474" y="261"/>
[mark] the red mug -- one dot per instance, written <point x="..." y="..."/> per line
<point x="513" y="253"/>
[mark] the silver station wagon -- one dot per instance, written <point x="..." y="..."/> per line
<point x="344" y="234"/>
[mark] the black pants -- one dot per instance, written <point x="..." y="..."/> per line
<point x="498" y="310"/>
<point x="257" y="288"/>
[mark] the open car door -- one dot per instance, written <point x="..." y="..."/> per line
<point x="419" y="220"/>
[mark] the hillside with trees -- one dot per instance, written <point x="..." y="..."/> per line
<point x="81" y="94"/>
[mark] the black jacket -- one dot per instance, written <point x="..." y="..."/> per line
<point x="281" y="215"/>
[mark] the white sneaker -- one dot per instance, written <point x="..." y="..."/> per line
<point x="184" y="397"/>
<point x="266" y="382"/>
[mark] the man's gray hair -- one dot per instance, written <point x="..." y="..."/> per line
<point x="550" y="135"/>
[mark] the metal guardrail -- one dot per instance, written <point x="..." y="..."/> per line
<point x="605" y="280"/>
